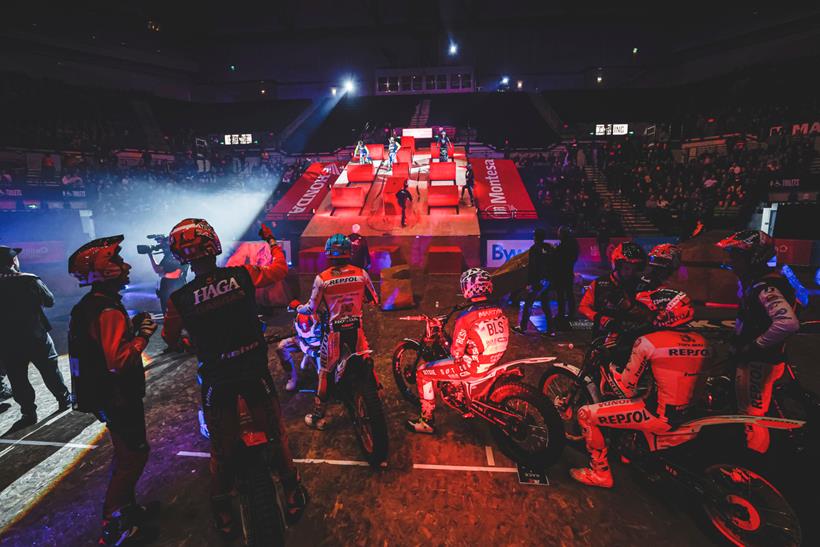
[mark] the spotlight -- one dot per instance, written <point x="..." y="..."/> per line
<point x="453" y="48"/>
<point x="505" y="80"/>
<point x="349" y="86"/>
<point x="634" y="51"/>
<point x="599" y="79"/>
<point x="519" y="84"/>
<point x="333" y="91"/>
<point x="263" y="91"/>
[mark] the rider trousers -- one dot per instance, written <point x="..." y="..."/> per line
<point x="753" y="388"/>
<point x="619" y="414"/>
<point x="220" y="407"/>
<point x="443" y="369"/>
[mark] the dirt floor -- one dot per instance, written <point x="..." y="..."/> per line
<point x="50" y="494"/>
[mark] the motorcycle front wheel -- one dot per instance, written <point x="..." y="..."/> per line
<point x="534" y="434"/>
<point x="560" y="387"/>
<point x="748" y="510"/>
<point x="406" y="358"/>
<point x="367" y="412"/>
<point x="260" y="504"/>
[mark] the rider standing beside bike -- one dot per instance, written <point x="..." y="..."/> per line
<point x="480" y="338"/>
<point x="765" y="320"/>
<point x="674" y="358"/>
<point x="338" y="296"/>
<point x="218" y="310"/>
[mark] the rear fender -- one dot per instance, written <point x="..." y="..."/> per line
<point x="248" y="432"/>
<point x="353" y="365"/>
<point x="689" y="430"/>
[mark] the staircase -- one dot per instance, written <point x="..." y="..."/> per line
<point x="421" y="115"/>
<point x="634" y="221"/>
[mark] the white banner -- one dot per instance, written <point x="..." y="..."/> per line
<point x="501" y="250"/>
<point x="418" y="132"/>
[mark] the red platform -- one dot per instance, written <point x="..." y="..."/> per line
<point x="442" y="196"/>
<point x="444" y="260"/>
<point x="408" y="143"/>
<point x="401" y="169"/>
<point x="443" y="171"/>
<point x="360" y="172"/>
<point x="375" y="151"/>
<point x="405" y="155"/>
<point x="347" y="197"/>
<point x="383" y="257"/>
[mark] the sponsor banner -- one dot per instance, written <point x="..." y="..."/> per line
<point x="418" y="132"/>
<point x="589" y="250"/>
<point x="500" y="251"/>
<point x="500" y="191"/>
<point x="799" y="128"/>
<point x="796" y="252"/>
<point x="40" y="252"/>
<point x="305" y="196"/>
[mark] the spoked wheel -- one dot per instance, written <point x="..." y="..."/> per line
<point x="261" y="511"/>
<point x="368" y="417"/>
<point x="406" y="358"/>
<point x="560" y="387"/>
<point x="747" y="510"/>
<point x="534" y="434"/>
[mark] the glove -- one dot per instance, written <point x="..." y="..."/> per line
<point x="266" y="234"/>
<point x="146" y="327"/>
<point x="603" y="321"/>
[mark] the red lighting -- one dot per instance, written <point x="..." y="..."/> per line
<point x="721" y="305"/>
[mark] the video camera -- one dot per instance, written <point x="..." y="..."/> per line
<point x="161" y="245"/>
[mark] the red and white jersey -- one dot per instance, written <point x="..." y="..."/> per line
<point x="676" y="360"/>
<point x="340" y="291"/>
<point x="480" y="337"/>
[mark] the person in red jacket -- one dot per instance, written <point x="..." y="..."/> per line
<point x="218" y="311"/>
<point x="674" y="359"/>
<point x="480" y="338"/>
<point x="108" y="380"/>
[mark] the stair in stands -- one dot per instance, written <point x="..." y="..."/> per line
<point x="421" y="114"/>
<point x="634" y="221"/>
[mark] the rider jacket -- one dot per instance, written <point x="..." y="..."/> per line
<point x="338" y="292"/>
<point x="104" y="354"/>
<point x="766" y="317"/>
<point x="675" y="360"/>
<point x="606" y="299"/>
<point x="480" y="337"/>
<point x="218" y="309"/>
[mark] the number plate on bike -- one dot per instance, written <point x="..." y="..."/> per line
<point x="532" y="477"/>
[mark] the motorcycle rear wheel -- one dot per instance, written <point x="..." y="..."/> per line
<point x="537" y="440"/>
<point x="260" y="504"/>
<point x="556" y="385"/>
<point x="748" y="510"/>
<point x="367" y="412"/>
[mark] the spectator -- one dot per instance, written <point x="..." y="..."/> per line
<point x="566" y="255"/>
<point x="540" y="257"/>
<point x="359" y="253"/>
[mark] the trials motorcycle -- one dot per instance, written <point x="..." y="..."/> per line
<point x="741" y="504"/>
<point x="524" y="423"/>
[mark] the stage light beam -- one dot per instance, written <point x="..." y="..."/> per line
<point x="505" y="80"/>
<point x="453" y="50"/>
<point x="349" y="86"/>
<point x="519" y="84"/>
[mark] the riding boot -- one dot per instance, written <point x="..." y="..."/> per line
<point x="316" y="419"/>
<point x="425" y="423"/>
<point x="597" y="473"/>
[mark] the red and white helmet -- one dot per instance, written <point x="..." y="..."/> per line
<point x="476" y="283"/>
<point x="665" y="255"/>
<point x="93" y="262"/>
<point x="671" y="308"/>
<point x="757" y="246"/>
<point x="194" y="238"/>
<point x="628" y="252"/>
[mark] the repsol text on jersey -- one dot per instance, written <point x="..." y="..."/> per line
<point x="689" y="352"/>
<point x="216" y="289"/>
<point x="340" y="280"/>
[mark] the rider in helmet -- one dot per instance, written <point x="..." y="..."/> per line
<point x="107" y="379"/>
<point x="308" y="336"/>
<point x="675" y="358"/>
<point x="480" y="338"/>
<point x="765" y="320"/>
<point x="610" y="297"/>
<point x="218" y="310"/>
<point x="664" y="261"/>
<point x="338" y="296"/>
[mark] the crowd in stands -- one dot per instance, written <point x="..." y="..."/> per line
<point x="675" y="193"/>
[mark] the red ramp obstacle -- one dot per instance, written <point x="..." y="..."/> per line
<point x="443" y="172"/>
<point x="442" y="196"/>
<point x="364" y="172"/>
<point x="347" y="197"/>
<point x="401" y="169"/>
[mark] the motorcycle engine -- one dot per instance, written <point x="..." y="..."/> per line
<point x="453" y="395"/>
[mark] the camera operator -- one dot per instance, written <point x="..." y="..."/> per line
<point x="172" y="273"/>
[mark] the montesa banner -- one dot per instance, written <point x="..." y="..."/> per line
<point x="305" y="196"/>
<point x="500" y="191"/>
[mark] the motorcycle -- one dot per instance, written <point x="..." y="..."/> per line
<point x="352" y="380"/>
<point x="525" y="425"/>
<point x="260" y="495"/>
<point x="741" y="504"/>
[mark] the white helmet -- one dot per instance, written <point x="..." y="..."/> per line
<point x="476" y="283"/>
